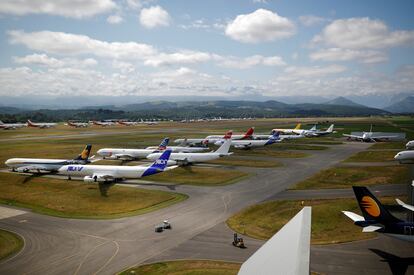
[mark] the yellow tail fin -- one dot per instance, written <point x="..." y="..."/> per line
<point x="298" y="126"/>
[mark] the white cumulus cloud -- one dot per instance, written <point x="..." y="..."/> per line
<point x="66" y="8"/>
<point x="338" y="54"/>
<point x="362" y="33"/>
<point x="114" y="19"/>
<point x="260" y="26"/>
<point x="153" y="17"/>
<point x="250" y="61"/>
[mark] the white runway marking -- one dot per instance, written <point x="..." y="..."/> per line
<point x="6" y="212"/>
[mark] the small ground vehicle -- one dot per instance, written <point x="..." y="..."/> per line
<point x="238" y="242"/>
<point x="164" y="225"/>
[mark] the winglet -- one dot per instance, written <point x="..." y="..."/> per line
<point x="405" y="205"/>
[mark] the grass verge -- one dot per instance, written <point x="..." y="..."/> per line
<point x="201" y="176"/>
<point x="193" y="267"/>
<point x="75" y="199"/>
<point x="10" y="243"/>
<point x="271" y="153"/>
<point x="343" y="177"/>
<point x="329" y="224"/>
<point x="372" y="156"/>
<point x="389" y="145"/>
<point x="247" y="162"/>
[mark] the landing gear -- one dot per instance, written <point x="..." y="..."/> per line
<point x="69" y="178"/>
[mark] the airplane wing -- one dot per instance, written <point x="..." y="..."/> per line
<point x="287" y="252"/>
<point x="33" y="167"/>
<point x="352" y="136"/>
<point x="123" y="156"/>
<point x="371" y="228"/>
<point x="407" y="206"/>
<point x="383" y="137"/>
<point x="243" y="146"/>
<point x="353" y="216"/>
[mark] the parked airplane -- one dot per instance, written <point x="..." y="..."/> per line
<point x="369" y="137"/>
<point x="287" y="252"/>
<point x="48" y="165"/>
<point x="405" y="156"/>
<point x="103" y="123"/>
<point x="174" y="149"/>
<point x="128" y="123"/>
<point x="203" y="141"/>
<point x="40" y="124"/>
<point x="214" y="138"/>
<point x="110" y="173"/>
<point x="126" y="154"/>
<point x="248" y="144"/>
<point x="282" y="137"/>
<point x="288" y="131"/>
<point x="313" y="132"/>
<point x="78" y="124"/>
<point x="189" y="158"/>
<point x="11" y="126"/>
<point x="377" y="219"/>
<point x="410" y="145"/>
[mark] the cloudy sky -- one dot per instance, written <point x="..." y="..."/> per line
<point x="205" y="48"/>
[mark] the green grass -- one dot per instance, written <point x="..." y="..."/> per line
<point x="344" y="177"/>
<point x="297" y="146"/>
<point x="75" y="199"/>
<point x="329" y="224"/>
<point x="271" y="153"/>
<point x="233" y="161"/>
<point x="10" y="243"/>
<point x="201" y="176"/>
<point x="389" y="145"/>
<point x="190" y="267"/>
<point x="372" y="156"/>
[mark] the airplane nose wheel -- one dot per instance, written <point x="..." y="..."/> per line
<point x="69" y="178"/>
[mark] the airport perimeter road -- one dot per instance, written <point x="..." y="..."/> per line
<point x="74" y="246"/>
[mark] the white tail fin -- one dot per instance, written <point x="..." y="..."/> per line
<point x="224" y="149"/>
<point x="313" y="128"/>
<point x="330" y="129"/>
<point x="1" y="122"/>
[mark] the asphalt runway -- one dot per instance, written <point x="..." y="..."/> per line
<point x="75" y="246"/>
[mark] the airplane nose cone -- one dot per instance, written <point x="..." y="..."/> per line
<point x="8" y="162"/>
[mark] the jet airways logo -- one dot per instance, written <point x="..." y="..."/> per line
<point x="370" y="206"/>
<point x="75" y="168"/>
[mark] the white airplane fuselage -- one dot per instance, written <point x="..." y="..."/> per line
<point x="189" y="157"/>
<point x="48" y="164"/>
<point x="405" y="156"/>
<point x="184" y="149"/>
<point x="119" y="153"/>
<point x="410" y="145"/>
<point x="127" y="172"/>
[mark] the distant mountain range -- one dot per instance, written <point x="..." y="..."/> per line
<point x="405" y="105"/>
<point x="195" y="109"/>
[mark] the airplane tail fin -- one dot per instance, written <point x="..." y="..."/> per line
<point x="330" y="129"/>
<point x="163" y="145"/>
<point x="371" y="207"/>
<point x="228" y="134"/>
<point x="1" y="122"/>
<point x="159" y="164"/>
<point x="275" y="135"/>
<point x="298" y="126"/>
<point x="313" y="128"/>
<point x="85" y="153"/>
<point x="30" y="123"/>
<point x="249" y="133"/>
<point x="224" y="148"/>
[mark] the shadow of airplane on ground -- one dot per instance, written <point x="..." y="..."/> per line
<point x="397" y="264"/>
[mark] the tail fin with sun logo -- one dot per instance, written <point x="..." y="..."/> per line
<point x="84" y="155"/>
<point x="371" y="207"/>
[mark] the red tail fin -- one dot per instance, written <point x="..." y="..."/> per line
<point x="228" y="134"/>
<point x="30" y="124"/>
<point x="249" y="133"/>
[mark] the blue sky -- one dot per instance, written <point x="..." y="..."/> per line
<point x="232" y="49"/>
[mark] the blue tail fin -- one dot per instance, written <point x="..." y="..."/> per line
<point x="159" y="164"/>
<point x="275" y="135"/>
<point x="163" y="145"/>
